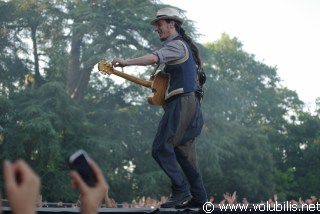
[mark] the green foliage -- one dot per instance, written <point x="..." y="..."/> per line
<point x="303" y="154"/>
<point x="285" y="184"/>
<point x="246" y="124"/>
<point x="238" y="88"/>
<point x="127" y="131"/>
<point x="44" y="130"/>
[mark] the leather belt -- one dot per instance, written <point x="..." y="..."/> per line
<point x="180" y="95"/>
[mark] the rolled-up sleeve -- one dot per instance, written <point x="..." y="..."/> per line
<point x="172" y="51"/>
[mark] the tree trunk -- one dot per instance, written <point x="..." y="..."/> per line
<point x="73" y="75"/>
<point x="37" y="75"/>
<point x="82" y="84"/>
<point x="77" y="78"/>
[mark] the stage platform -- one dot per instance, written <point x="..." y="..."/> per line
<point x="49" y="210"/>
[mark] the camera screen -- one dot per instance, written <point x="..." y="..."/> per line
<point x="81" y="165"/>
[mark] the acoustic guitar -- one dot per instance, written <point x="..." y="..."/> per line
<point x="158" y="83"/>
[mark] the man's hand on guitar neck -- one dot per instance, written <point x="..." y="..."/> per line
<point x="118" y="62"/>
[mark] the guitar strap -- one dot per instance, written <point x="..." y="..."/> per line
<point x="157" y="69"/>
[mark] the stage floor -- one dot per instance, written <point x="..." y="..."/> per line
<point x="49" y="210"/>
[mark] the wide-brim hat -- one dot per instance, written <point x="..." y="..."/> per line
<point x="168" y="13"/>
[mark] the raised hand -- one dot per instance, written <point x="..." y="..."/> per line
<point x="91" y="197"/>
<point x="22" y="187"/>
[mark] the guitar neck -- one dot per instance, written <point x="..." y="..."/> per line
<point x="136" y="80"/>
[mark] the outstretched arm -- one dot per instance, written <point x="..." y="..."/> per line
<point x="149" y="59"/>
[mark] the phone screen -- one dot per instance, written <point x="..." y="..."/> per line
<point x="81" y="165"/>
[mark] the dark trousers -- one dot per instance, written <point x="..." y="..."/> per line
<point x="174" y="146"/>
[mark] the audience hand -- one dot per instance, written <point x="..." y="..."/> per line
<point x="91" y="197"/>
<point x="231" y="199"/>
<point x="22" y="187"/>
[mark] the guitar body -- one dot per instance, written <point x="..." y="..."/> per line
<point x="159" y="87"/>
<point x="158" y="83"/>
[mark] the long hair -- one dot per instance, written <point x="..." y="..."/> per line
<point x="201" y="76"/>
<point x="194" y="49"/>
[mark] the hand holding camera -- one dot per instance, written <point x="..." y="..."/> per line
<point x="88" y="178"/>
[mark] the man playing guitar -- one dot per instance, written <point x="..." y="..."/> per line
<point x="182" y="121"/>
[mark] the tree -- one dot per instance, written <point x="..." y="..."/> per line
<point x="301" y="154"/>
<point x="11" y="66"/>
<point x="43" y="131"/>
<point x="243" y="102"/>
<point x="102" y="28"/>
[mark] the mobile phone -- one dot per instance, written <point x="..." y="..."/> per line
<point x="79" y="162"/>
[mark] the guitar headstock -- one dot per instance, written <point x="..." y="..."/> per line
<point x="105" y="67"/>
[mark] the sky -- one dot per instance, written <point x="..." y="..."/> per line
<point x="280" y="33"/>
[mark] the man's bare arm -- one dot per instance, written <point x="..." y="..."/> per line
<point x="149" y="59"/>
